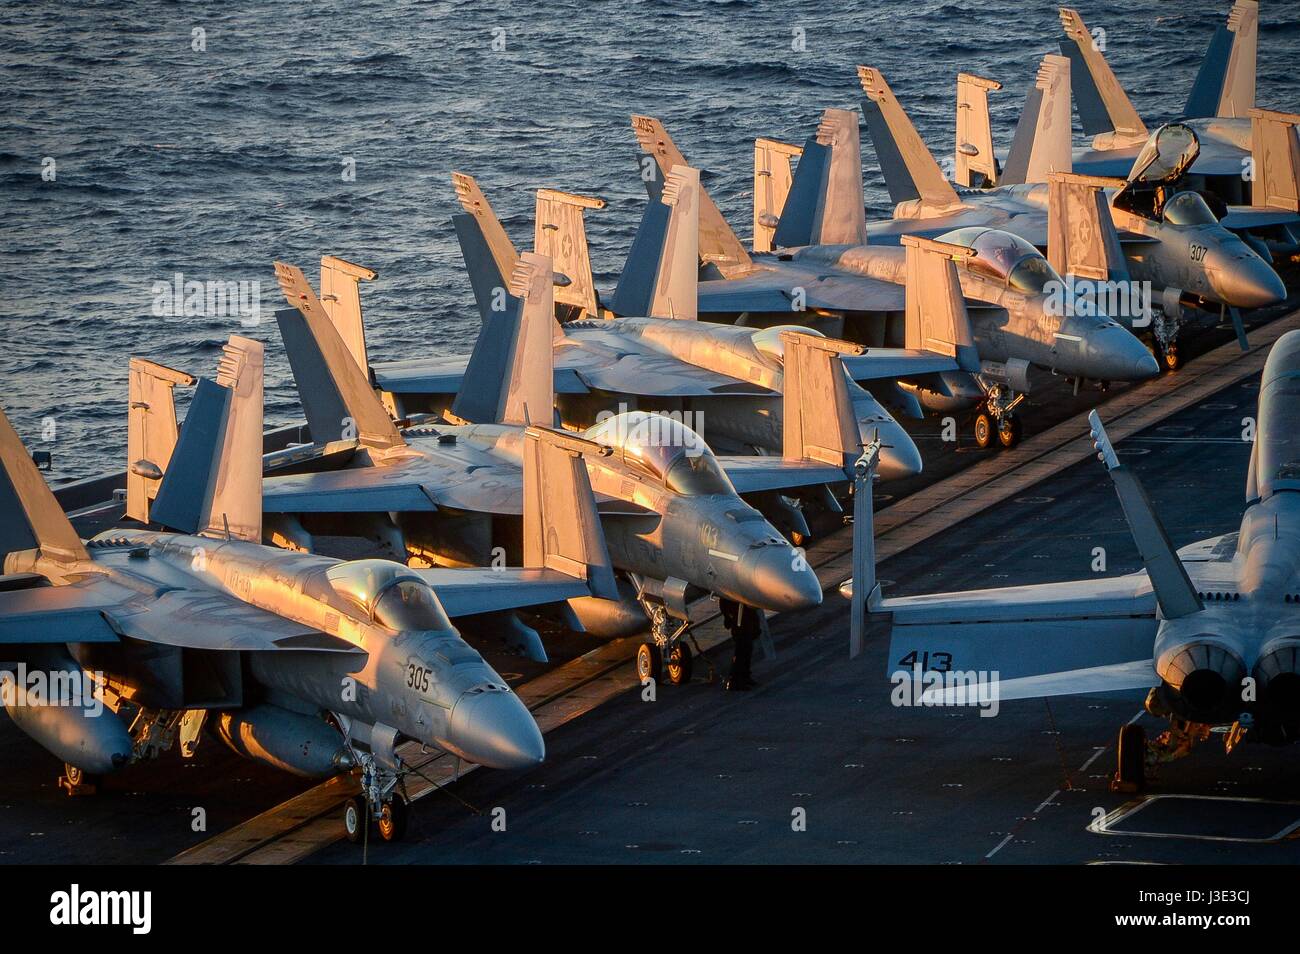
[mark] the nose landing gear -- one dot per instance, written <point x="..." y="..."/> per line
<point x="998" y="417"/>
<point x="666" y="651"/>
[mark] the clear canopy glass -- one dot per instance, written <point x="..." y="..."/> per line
<point x="1188" y="208"/>
<point x="392" y="595"/>
<point x="666" y="449"/>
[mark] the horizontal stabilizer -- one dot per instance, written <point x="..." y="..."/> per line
<point x="1138" y="674"/>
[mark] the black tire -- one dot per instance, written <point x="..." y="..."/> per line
<point x="1131" y="757"/>
<point x="79" y="778"/>
<point x="1010" y="430"/>
<point x="1170" y="357"/>
<point x="983" y="430"/>
<point x="681" y="662"/>
<point x="354" y="819"/>
<point x="649" y="663"/>
<point x="393" y="818"/>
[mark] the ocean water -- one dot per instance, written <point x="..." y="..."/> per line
<point x="213" y="162"/>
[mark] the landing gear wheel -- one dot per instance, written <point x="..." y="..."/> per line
<point x="680" y="664"/>
<point x="393" y="818"/>
<point x="354" y="819"/>
<point x="1131" y="752"/>
<point x="1009" y="431"/>
<point x="649" y="665"/>
<point x="1170" y="357"/>
<point x="983" y="429"/>
<point x="78" y="781"/>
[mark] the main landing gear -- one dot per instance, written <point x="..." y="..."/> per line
<point x="997" y="419"/>
<point x="383" y="799"/>
<point x="666" y="651"/>
<point x="1164" y="335"/>
<point x="77" y="781"/>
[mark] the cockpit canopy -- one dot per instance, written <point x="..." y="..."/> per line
<point x="389" y="594"/>
<point x="769" y="344"/>
<point x="1188" y="208"/>
<point x="1005" y="257"/>
<point x="666" y="449"/>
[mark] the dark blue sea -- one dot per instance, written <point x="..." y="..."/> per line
<point x="214" y="162"/>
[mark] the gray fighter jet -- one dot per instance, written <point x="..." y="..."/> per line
<point x="1249" y="157"/>
<point x="313" y="665"/>
<point x="1212" y="628"/>
<point x="826" y="268"/>
<point x="1152" y="230"/>
<point x="729" y="377"/>
<point x="671" y="511"/>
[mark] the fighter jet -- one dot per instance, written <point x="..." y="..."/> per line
<point x="664" y="360"/>
<point x="1152" y="230"/>
<point x="313" y="665"/>
<point x="826" y="268"/>
<point x="671" y="511"/>
<point x="1211" y="628"/>
<point x="1237" y="139"/>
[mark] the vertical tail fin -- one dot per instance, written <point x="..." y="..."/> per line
<point x="1276" y="153"/>
<point x="1174" y="590"/>
<point x="562" y="529"/>
<point x="1104" y="107"/>
<point x="662" y="271"/>
<point x="772" y="178"/>
<point x="935" y="311"/>
<point x="151" y="431"/>
<point x="1225" y="83"/>
<point x="476" y="204"/>
<point x="817" y="408"/>
<point x="975" y="164"/>
<point x="717" y="242"/>
<point x="335" y="393"/>
<point x="561" y="234"/>
<point x="826" y="204"/>
<point x="1042" y="141"/>
<point x="909" y="169"/>
<point x="510" y="377"/>
<point x="213" y="485"/>
<point x="1081" y="237"/>
<point x="30" y="516"/>
<point x="340" y="293"/>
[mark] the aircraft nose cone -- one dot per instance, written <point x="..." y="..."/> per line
<point x="1113" y="354"/>
<point x="899" y="455"/>
<point x="492" y="727"/>
<point x="1147" y="366"/>
<point x="781" y="580"/>
<point x="1249" y="282"/>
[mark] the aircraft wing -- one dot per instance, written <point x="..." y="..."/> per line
<point x="1046" y="639"/>
<point x="454" y="476"/>
<point x="751" y="475"/>
<point x="467" y="592"/>
<point x="443" y="375"/>
<point x="60" y="614"/>
<point x="773" y="291"/>
<point x="1249" y="217"/>
<point x="96" y="610"/>
<point x="208" y="619"/>
<point x="887" y="363"/>
<point x="356" y="490"/>
<point x="622" y="365"/>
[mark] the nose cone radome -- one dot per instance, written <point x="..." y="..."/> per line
<point x="1111" y="353"/>
<point x="1247" y="281"/>
<point x="781" y="580"/>
<point x="492" y="727"/>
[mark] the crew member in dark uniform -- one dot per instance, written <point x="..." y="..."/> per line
<point x="745" y="623"/>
